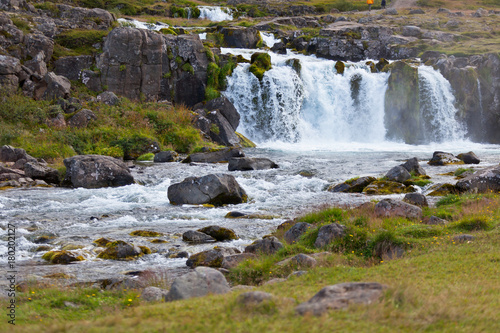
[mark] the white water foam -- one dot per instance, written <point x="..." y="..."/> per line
<point x="215" y="13"/>
<point x="269" y="38"/>
<point x="143" y="25"/>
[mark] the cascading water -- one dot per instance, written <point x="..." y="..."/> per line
<point x="437" y="107"/>
<point x="216" y="14"/>
<point x="305" y="101"/>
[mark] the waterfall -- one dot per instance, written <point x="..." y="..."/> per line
<point x="268" y="38"/>
<point x="304" y="101"/>
<point x="437" y="107"/>
<point x="216" y="14"/>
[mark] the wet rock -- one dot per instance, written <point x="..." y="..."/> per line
<point x="166" y="156"/>
<point x="267" y="245"/>
<point x="234" y="260"/>
<point x="253" y="298"/>
<point x="482" y="181"/>
<point x="442" y="158"/>
<point x="35" y="170"/>
<point x="218" y="156"/>
<point x="82" y="119"/>
<point x="219" y="233"/>
<point x="221" y="130"/>
<point x="416" y="199"/>
<point x="108" y="98"/>
<point x="215" y="189"/>
<point x="95" y="171"/>
<point x="434" y="220"/>
<point x="414" y="167"/>
<point x="235" y="215"/>
<point x="329" y="233"/>
<point x="295" y="232"/>
<point x="382" y="187"/>
<point x="343" y="187"/>
<point x="469" y="158"/>
<point x="202" y="281"/>
<point x="62" y="257"/>
<point x="357" y="185"/>
<point x="391" y="207"/>
<point x="197" y="237"/>
<point x="120" y="250"/>
<point x="226" y="108"/>
<point x="248" y="163"/>
<point x="153" y="294"/>
<point x="398" y="174"/>
<point x="441" y="189"/>
<point x="208" y="258"/>
<point x="340" y="296"/>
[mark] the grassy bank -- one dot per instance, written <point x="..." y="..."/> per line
<point x="439" y="285"/>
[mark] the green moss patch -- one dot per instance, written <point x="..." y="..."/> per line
<point x="260" y="63"/>
<point x="146" y="233"/>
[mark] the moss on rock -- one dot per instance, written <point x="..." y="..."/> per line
<point x="61" y="257"/>
<point x="219" y="233"/>
<point x="260" y="63"/>
<point x="146" y="233"/>
<point x="340" y="67"/>
<point x="383" y="187"/>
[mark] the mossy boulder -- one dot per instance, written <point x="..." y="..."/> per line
<point x="440" y="158"/>
<point x="219" y="233"/>
<point x="62" y="257"/>
<point x="442" y="189"/>
<point x="383" y="187"/>
<point x="102" y="242"/>
<point x="340" y="67"/>
<point x="382" y="65"/>
<point x="209" y="258"/>
<point x="260" y="63"/>
<point x="120" y="250"/>
<point x="245" y="142"/>
<point x="146" y="233"/>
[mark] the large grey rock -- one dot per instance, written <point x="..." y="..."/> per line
<point x="442" y="158"/>
<point x="35" y="43"/>
<point x="296" y="231"/>
<point x="218" y="156"/>
<point x="215" y="189"/>
<point x="11" y="154"/>
<point x="329" y="233"/>
<point x="417" y="199"/>
<point x="267" y="245"/>
<point x="108" y="98"/>
<point x="94" y="171"/>
<point x="469" y="158"/>
<point x="482" y="181"/>
<point x="153" y="294"/>
<point x="249" y="163"/>
<point x="391" y="207"/>
<point x="201" y="282"/>
<point x="53" y="87"/>
<point x="226" y="108"/>
<point x="37" y="64"/>
<point x="9" y="65"/>
<point x="302" y="260"/>
<point x="340" y="296"/>
<point x="35" y="170"/>
<point x="412" y="165"/>
<point x="166" y="156"/>
<point x="197" y="237"/>
<point x="71" y="67"/>
<point x="221" y="234"/>
<point x="234" y="260"/>
<point x="398" y="174"/>
<point x="209" y="258"/>
<point x="221" y="130"/>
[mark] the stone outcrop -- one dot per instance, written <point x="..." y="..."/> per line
<point x="482" y="181"/>
<point x="215" y="189"/>
<point x="94" y="171"/>
<point x="200" y="282"/>
<point x="296" y="231"/>
<point x="391" y="207"/>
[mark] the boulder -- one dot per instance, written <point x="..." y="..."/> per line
<point x="209" y="258"/>
<point x="417" y="199"/>
<point x="240" y="37"/>
<point x="267" y="245"/>
<point x="340" y="296"/>
<point x="219" y="233"/>
<point x="95" y="171"/>
<point x="166" y="156"/>
<point x="248" y="163"/>
<point x="441" y="189"/>
<point x="329" y="233"/>
<point x="120" y="250"/>
<point x="197" y="237"/>
<point x="35" y="43"/>
<point x="11" y="154"/>
<point x="482" y="181"/>
<point x="153" y="294"/>
<point x="381" y="187"/>
<point x="108" y="98"/>
<point x="343" y="187"/>
<point x="302" y="260"/>
<point x="82" y="119"/>
<point x="35" y="170"/>
<point x="469" y="158"/>
<point x="218" y="156"/>
<point x="221" y="130"/>
<point x="295" y="232"/>
<point x="414" y="167"/>
<point x="71" y="67"/>
<point x="53" y="87"/>
<point x="398" y="174"/>
<point x="215" y="189"/>
<point x="391" y="207"/>
<point x="62" y="257"/>
<point x="226" y="108"/>
<point x="201" y="282"/>
<point x="234" y="260"/>
<point x="9" y="65"/>
<point x="37" y="64"/>
<point x="442" y="158"/>
<point x="357" y="185"/>
<point x="251" y="298"/>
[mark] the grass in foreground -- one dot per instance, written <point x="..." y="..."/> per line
<point x="438" y="286"/>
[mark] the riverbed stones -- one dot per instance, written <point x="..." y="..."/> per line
<point x="120" y="250"/>
<point x="398" y="174"/>
<point x="248" y="163"/>
<point x="296" y="231"/>
<point x="340" y="296"/>
<point x="417" y="199"/>
<point x="62" y="257"/>
<point x="391" y="207"/>
<point x="215" y="189"/>
<point x="194" y="236"/>
<point x="266" y="245"/>
<point x="414" y="167"/>
<point x="442" y="158"/>
<point x="217" y="156"/>
<point x="329" y="233"/>
<point x="469" y="158"/>
<point x="95" y="171"/>
<point x="220" y="234"/>
<point x="382" y="187"/>
<point x="482" y="181"/>
<point x="208" y="258"/>
<point x="200" y="282"/>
